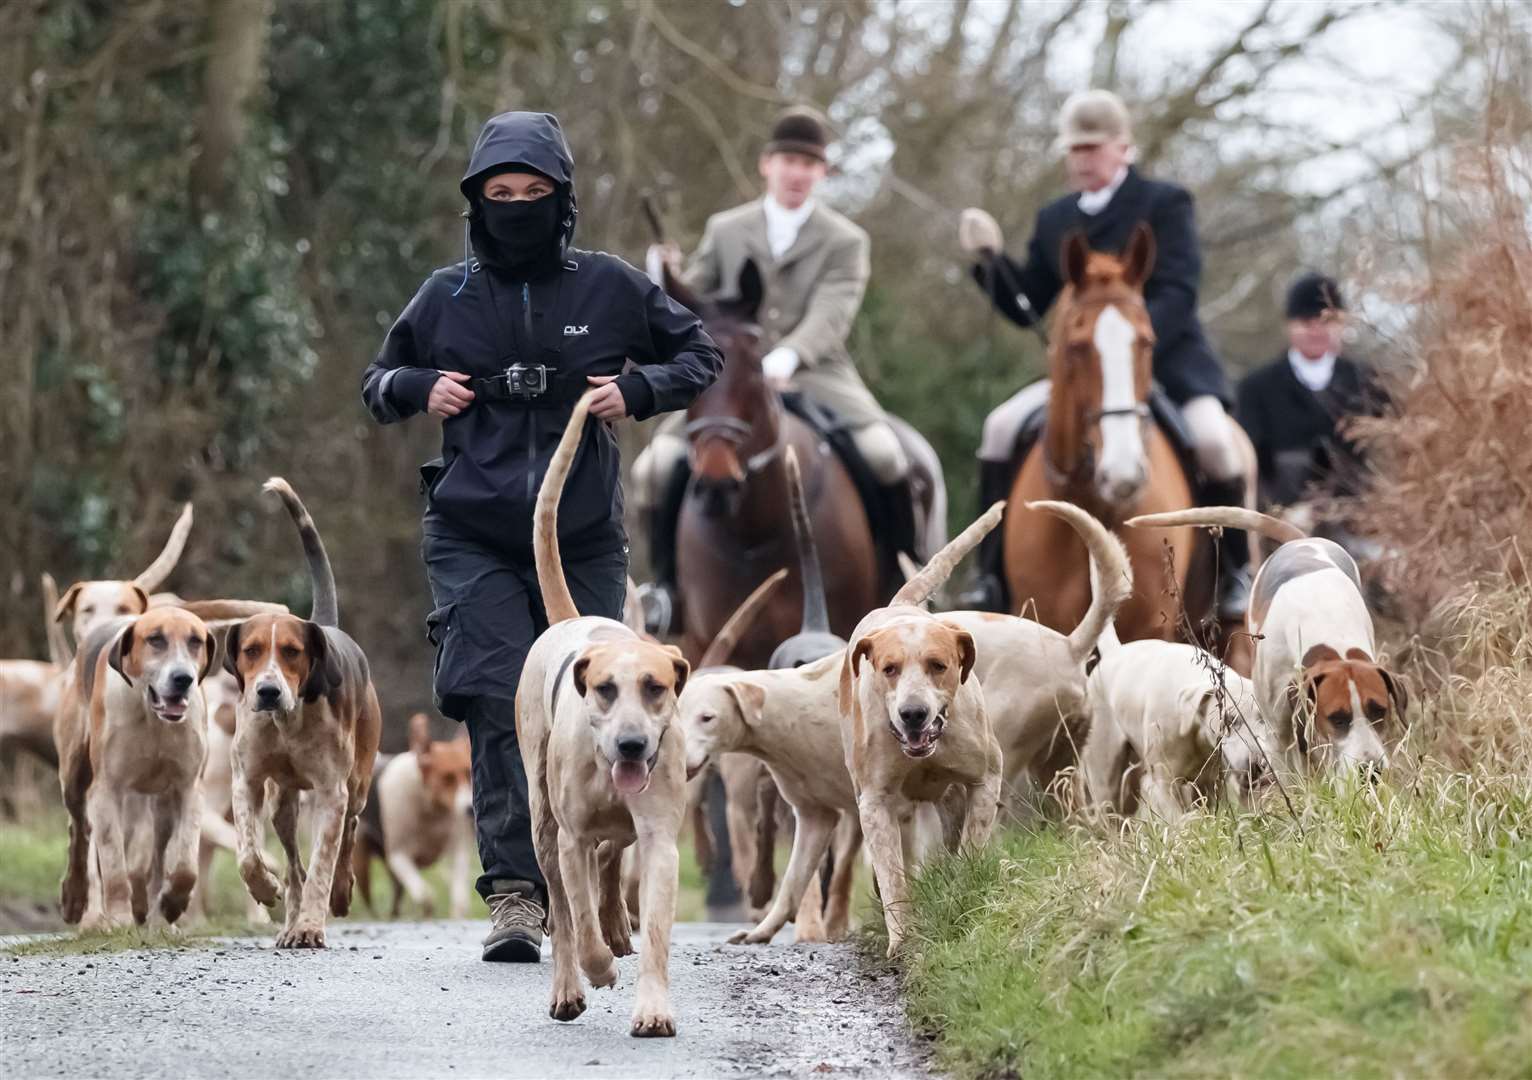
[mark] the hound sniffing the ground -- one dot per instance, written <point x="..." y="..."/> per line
<point x="132" y="737"/>
<point x="594" y="713"/>
<point x="1316" y="677"/>
<point x="308" y="720"/>
<point x="914" y="724"/>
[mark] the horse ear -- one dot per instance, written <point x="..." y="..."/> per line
<point x="1074" y="256"/>
<point x="678" y="291"/>
<point x="1138" y="257"/>
<point x="752" y="290"/>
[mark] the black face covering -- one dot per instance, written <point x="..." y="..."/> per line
<point x="523" y="232"/>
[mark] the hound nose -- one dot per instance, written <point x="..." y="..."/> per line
<point x="181" y="682"/>
<point x="1372" y="771"/>
<point x="914" y="716"/>
<point x="268" y="694"/>
<point x="632" y="747"/>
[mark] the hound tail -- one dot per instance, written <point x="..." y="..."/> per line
<point x="557" y="600"/>
<point x="154" y="575"/>
<point x="816" y="611"/>
<point x="326" y="610"/>
<point x="935" y="573"/>
<point x="59" y="652"/>
<point x="1225" y="517"/>
<point x="722" y="646"/>
<point x="1111" y="578"/>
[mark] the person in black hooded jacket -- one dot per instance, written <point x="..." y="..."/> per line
<point x="499" y="347"/>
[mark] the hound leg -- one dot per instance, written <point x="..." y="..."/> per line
<point x="404" y="868"/>
<point x="106" y="826"/>
<point x="659" y="867"/>
<point x="183" y="813"/>
<point x="838" y="908"/>
<point x="615" y="925"/>
<point x="810" y="840"/>
<point x="75" y="888"/>
<point x="142" y="827"/>
<point x="568" y="1000"/>
<point x="329" y="824"/>
<point x="885" y="846"/>
<point x="284" y="820"/>
<point x="344" y="879"/>
<point x="809" y="920"/>
<point x="983" y="807"/>
<point x="575" y="859"/>
<point x="1161" y="798"/>
<point x="255" y="867"/>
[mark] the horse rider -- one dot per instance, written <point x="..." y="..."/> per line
<point x="1293" y="407"/>
<point x="814" y="263"/>
<point x="498" y="348"/>
<point x="1112" y="197"/>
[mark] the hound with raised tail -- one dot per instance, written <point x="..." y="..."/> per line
<point x="1316" y="677"/>
<point x="307" y="720"/>
<point x="131" y="731"/>
<point x="594" y="717"/>
<point x="88" y="604"/>
<point x="914" y="723"/>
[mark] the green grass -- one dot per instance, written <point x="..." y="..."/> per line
<point x="1385" y="934"/>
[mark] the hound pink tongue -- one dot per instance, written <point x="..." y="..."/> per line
<point x="630" y="777"/>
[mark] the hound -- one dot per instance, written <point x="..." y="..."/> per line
<point x="29" y="698"/>
<point x="593" y="710"/>
<point x="1169" y="722"/>
<point x="307" y="720"/>
<point x="421" y="808"/>
<point x="1315" y="644"/>
<point x="132" y="737"/>
<point x="91" y="603"/>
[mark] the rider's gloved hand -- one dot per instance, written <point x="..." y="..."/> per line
<point x="778" y="366"/>
<point x="979" y="233"/>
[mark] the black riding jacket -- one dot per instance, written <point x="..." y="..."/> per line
<point x="1184" y="362"/>
<point x="584" y="317"/>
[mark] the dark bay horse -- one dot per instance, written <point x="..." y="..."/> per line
<point x="736" y="528"/>
<point x="1102" y="451"/>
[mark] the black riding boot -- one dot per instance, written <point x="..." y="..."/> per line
<point x="988" y="592"/>
<point x="661" y="598"/>
<point x="1233" y="551"/>
<point x="899" y="504"/>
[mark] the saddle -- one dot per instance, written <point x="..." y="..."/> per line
<point x="1167" y="416"/>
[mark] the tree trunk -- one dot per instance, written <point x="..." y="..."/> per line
<point x="237" y="47"/>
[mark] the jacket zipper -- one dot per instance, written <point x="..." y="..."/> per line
<point x="526" y="324"/>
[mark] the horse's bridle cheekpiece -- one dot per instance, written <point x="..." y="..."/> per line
<point x="734" y="431"/>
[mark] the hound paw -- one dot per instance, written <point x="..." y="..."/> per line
<point x="617" y="936"/>
<point x="601" y="971"/>
<point x="566" y="1006"/>
<point x="302" y="935"/>
<point x="340" y="898"/>
<point x="72" y="897"/>
<point x="750" y="937"/>
<point x="259" y="879"/>
<point x="653" y="1023"/>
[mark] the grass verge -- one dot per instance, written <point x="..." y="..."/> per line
<point x="1377" y="933"/>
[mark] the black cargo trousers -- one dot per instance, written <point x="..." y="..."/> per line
<point x="487" y="612"/>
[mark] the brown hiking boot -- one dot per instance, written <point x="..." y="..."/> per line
<point x="516" y="924"/>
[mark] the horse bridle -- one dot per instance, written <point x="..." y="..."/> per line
<point x="734" y="431"/>
<point x="1056" y="476"/>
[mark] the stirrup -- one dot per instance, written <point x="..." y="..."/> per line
<point x="658" y="607"/>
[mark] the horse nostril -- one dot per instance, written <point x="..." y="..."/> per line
<point x="914" y="716"/>
<point x="632" y="747"/>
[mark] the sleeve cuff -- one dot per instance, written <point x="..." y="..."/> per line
<point x="411" y="386"/>
<point x="637" y="395"/>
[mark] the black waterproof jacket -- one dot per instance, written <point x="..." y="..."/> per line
<point x="586" y="317"/>
<point x="1184" y="362"/>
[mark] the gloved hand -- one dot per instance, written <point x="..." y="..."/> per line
<point x="979" y="233"/>
<point x="662" y="257"/>
<point x="778" y="366"/>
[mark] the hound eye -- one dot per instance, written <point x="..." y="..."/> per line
<point x="156" y="639"/>
<point x="706" y="718"/>
<point x="890" y="671"/>
<point x="654" y="689"/>
<point x="1375" y="711"/>
<point x="937" y="667"/>
<point x="252" y="651"/>
<point x="123" y="609"/>
<point x="1340" y="721"/>
<point x="291" y="652"/>
<point x="607" y="692"/>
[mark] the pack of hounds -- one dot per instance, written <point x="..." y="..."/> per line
<point x="182" y="726"/>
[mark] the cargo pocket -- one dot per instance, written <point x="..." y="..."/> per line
<point x="442" y="631"/>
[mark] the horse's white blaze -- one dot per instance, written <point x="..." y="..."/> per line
<point x="1122" y="446"/>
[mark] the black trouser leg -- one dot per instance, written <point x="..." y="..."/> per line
<point x="501" y="820"/>
<point x="990" y="590"/>
<point x="1233" y="550"/>
<point x="722" y="890"/>
<point x="664" y="523"/>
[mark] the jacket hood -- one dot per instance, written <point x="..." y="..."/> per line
<point x="520" y="138"/>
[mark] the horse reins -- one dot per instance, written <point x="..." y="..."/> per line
<point x="734" y="431"/>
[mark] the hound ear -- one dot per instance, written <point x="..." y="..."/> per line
<point x="143" y="598"/>
<point x="1318" y="655"/>
<point x="848" y="671"/>
<point x="577" y="673"/>
<point x="969" y="653"/>
<point x="120" y="656"/>
<point x="420" y="735"/>
<point x="1074" y="256"/>
<point x="231" y="653"/>
<point x="324" y="669"/>
<point x="749" y="699"/>
<point x="752" y="290"/>
<point x="67" y="602"/>
<point x="209" y="655"/>
<point x="1398" y="691"/>
<point x="683" y="671"/>
<point x="1138" y="257"/>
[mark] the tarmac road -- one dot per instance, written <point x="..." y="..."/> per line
<point x="414" y="1000"/>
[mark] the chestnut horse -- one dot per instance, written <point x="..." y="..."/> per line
<point x="735" y="528"/>
<point x="1102" y="451"/>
